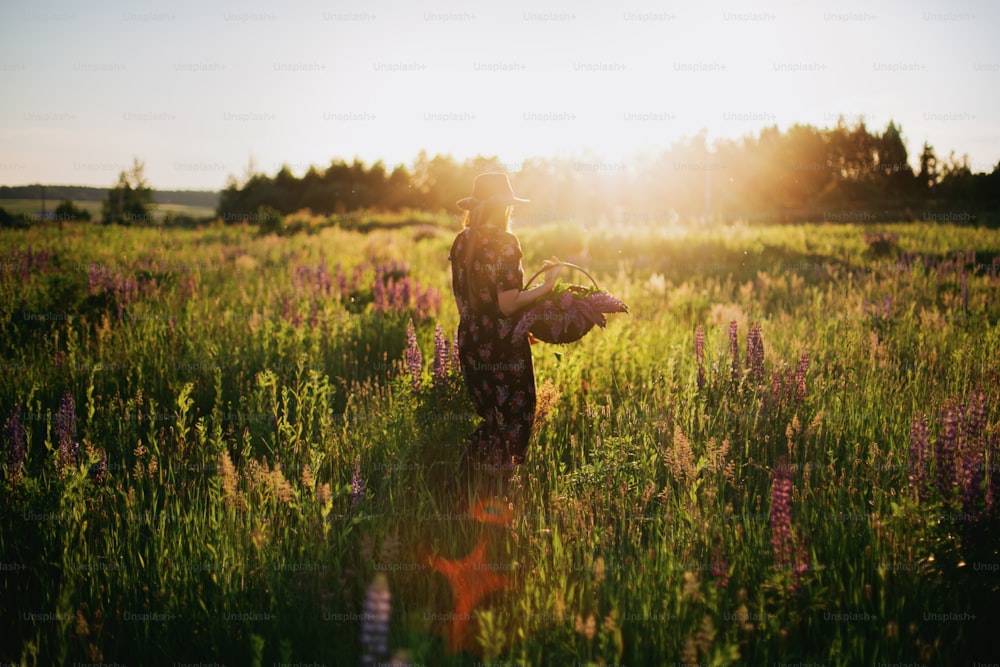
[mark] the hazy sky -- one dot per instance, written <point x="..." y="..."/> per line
<point x="197" y="88"/>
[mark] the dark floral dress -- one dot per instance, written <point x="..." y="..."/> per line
<point x="497" y="367"/>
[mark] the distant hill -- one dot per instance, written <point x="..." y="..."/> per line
<point x="78" y="193"/>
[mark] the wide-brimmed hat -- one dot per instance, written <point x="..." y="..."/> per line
<point x="491" y="187"/>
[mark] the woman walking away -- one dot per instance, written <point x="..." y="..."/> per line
<point x="487" y="275"/>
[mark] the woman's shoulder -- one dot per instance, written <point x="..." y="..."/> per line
<point x="508" y="236"/>
<point x="509" y="241"/>
<point x="462" y="237"/>
<point x="489" y="239"/>
<point x="503" y="238"/>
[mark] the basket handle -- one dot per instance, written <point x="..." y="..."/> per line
<point x="572" y="266"/>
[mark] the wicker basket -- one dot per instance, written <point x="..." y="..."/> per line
<point x="556" y="325"/>
<point x="553" y="322"/>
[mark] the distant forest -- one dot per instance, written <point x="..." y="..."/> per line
<point x="77" y="193"/>
<point x="839" y="174"/>
<point x="843" y="173"/>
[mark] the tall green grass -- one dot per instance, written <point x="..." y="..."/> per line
<point x="266" y="456"/>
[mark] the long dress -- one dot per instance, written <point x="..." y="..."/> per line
<point x="496" y="367"/>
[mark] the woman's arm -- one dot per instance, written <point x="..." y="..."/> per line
<point x="514" y="300"/>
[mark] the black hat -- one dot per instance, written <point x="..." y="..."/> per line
<point x="492" y="187"/>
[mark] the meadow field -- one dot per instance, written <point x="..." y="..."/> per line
<point x="215" y="451"/>
<point x="159" y="212"/>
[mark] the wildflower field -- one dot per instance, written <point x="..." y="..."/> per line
<point x="223" y="446"/>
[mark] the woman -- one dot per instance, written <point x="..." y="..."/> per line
<point x="486" y="278"/>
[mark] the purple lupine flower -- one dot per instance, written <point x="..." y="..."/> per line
<point x="965" y="292"/>
<point x="755" y="352"/>
<point x="404" y="293"/>
<point x="571" y="310"/>
<point x="782" y="540"/>
<point x="323" y="281"/>
<point x="456" y="363"/>
<point x="801" y="369"/>
<point x="126" y="287"/>
<point x="378" y="295"/>
<point x="441" y="354"/>
<point x="428" y="304"/>
<point x="699" y="345"/>
<point x="398" y="294"/>
<point x="776" y="388"/>
<point x="15" y="440"/>
<point x="399" y="267"/>
<point x="584" y="311"/>
<point x="524" y="325"/>
<point x="790" y="551"/>
<point x="945" y="450"/>
<point x="357" y="485"/>
<point x="414" y="358"/>
<point x="734" y="350"/>
<point x="394" y="268"/>
<point x="969" y="479"/>
<point x="993" y="468"/>
<point x="93" y="279"/>
<point x="699" y="354"/>
<point x="974" y="423"/>
<point x="602" y="302"/>
<point x="566" y="300"/>
<point x="65" y="431"/>
<point x="969" y="469"/>
<point x="375" y="621"/>
<point x="720" y="568"/>
<point x="920" y="450"/>
<point x="341" y="278"/>
<point x="99" y="471"/>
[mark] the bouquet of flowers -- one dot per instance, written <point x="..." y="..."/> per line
<point x="568" y="312"/>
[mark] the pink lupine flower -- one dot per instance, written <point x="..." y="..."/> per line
<point x="414" y="358"/>
<point x="734" y="350"/>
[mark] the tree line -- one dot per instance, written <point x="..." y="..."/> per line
<point x="842" y="173"/>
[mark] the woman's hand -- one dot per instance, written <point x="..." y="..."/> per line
<point x="551" y="274"/>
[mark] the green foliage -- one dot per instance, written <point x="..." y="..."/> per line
<point x="8" y="220"/>
<point x="267" y="455"/>
<point x="130" y="201"/>
<point x="69" y="211"/>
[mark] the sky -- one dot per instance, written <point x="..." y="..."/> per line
<point x="198" y="90"/>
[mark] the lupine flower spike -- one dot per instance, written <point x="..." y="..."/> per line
<point x="790" y="552"/>
<point x="755" y="352"/>
<point x="441" y="354"/>
<point x="699" y="354"/>
<point x="734" y="350"/>
<point x="414" y="358"/>
<point x="15" y="444"/>
<point x="65" y="432"/>
<point x="357" y="485"/>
